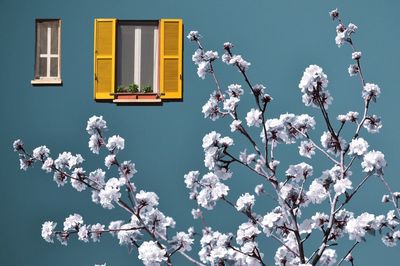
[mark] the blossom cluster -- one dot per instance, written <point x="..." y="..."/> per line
<point x="301" y="186"/>
<point x="145" y="217"/>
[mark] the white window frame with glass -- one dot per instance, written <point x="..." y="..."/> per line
<point x="50" y="52"/>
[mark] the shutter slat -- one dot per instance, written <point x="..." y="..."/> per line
<point x="104" y="58"/>
<point x="171" y="58"/>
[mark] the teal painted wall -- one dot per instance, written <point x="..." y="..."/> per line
<point x="279" y="38"/>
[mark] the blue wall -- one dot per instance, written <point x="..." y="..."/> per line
<point x="279" y="38"/>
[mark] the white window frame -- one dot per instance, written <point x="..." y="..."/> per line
<point x="138" y="55"/>
<point x="43" y="80"/>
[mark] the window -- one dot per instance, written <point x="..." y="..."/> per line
<point x="137" y="61"/>
<point x="48" y="52"/>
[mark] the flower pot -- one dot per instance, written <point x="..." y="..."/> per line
<point x="135" y="97"/>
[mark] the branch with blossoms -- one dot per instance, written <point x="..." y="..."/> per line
<point x="294" y="189"/>
<point x="297" y="189"/>
<point x="145" y="228"/>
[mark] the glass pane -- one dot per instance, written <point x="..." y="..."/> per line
<point x="54" y="37"/>
<point x="42" y="37"/>
<point x="43" y="29"/>
<point x="147" y="57"/>
<point x="43" y="67"/>
<point x="125" y="53"/>
<point x="54" y="67"/>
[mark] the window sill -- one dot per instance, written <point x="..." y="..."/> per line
<point x="46" y="82"/>
<point x="137" y="101"/>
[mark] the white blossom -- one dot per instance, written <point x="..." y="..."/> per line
<point x="96" y="178"/>
<point x="334" y="14"/>
<point x="316" y="192"/>
<point x="259" y="189"/>
<point x="72" y="222"/>
<point x="371" y="91"/>
<point x="313" y="76"/>
<point x="358" y="147"/>
<point x="211" y="109"/>
<point x="183" y="241"/>
<point x="212" y="190"/>
<point x="330" y="144"/>
<point x="48" y="165"/>
<point x="235" y="125"/>
<point x="246" y="231"/>
<point x="77" y="179"/>
<point x="114" y="226"/>
<point x="210" y="139"/>
<point x="95" y="142"/>
<point x="197" y="214"/>
<point x="253" y="118"/>
<point x="306" y="226"/>
<point x="110" y="193"/>
<point x="128" y="232"/>
<point x="18" y="145"/>
<point x="270" y="219"/>
<point x="40" y="153"/>
<point x="351" y="28"/>
<point x="149" y="199"/>
<point x="299" y="172"/>
<point x="352" y="116"/>
<point x="48" y="231"/>
<point x="329" y="257"/>
<point x="151" y="254"/>
<point x="307" y="149"/>
<point x="127" y="170"/>
<point x="392" y="219"/>
<point x="245" y="202"/>
<point x="109" y="160"/>
<point x="247" y="158"/>
<point x="389" y="240"/>
<point x="24" y="164"/>
<point x="242" y="64"/>
<point x="356" y="55"/>
<point x="353" y="70"/>
<point x="342" y="185"/>
<point x="235" y="90"/>
<point x="96" y="231"/>
<point x="230" y="104"/>
<point x="95" y="124"/>
<point x="320" y="219"/>
<point x="115" y="142"/>
<point x="83" y="233"/>
<point x="373" y="124"/>
<point x="357" y="227"/>
<point x="60" y="178"/>
<point x="258" y="89"/>
<point x="194" y="35"/>
<point x="373" y="161"/>
<point x="191" y="178"/>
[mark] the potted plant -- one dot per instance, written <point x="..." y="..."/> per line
<point x="147" y="93"/>
<point x="126" y="92"/>
<point x="132" y="92"/>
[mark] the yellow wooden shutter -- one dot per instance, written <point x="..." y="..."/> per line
<point x="171" y="58"/>
<point x="104" y="58"/>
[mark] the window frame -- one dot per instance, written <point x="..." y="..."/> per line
<point x="170" y="63"/>
<point x="47" y="80"/>
<point x="137" y="59"/>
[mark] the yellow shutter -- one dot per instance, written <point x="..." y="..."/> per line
<point x="104" y="58"/>
<point x="171" y="58"/>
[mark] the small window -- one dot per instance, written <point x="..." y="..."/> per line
<point x="138" y="61"/>
<point x="48" y="52"/>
